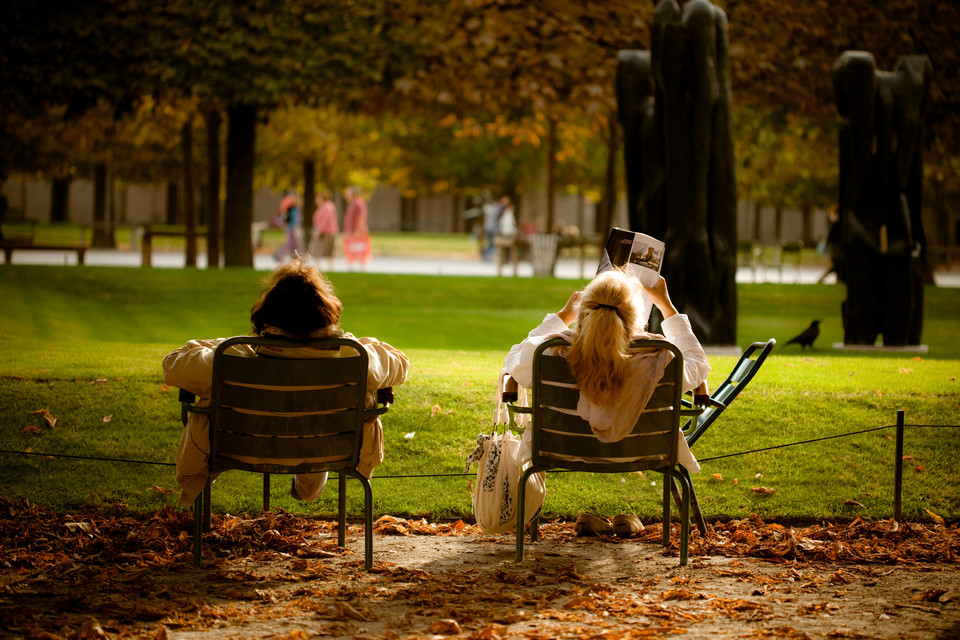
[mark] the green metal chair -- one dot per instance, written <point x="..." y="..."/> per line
<point x="288" y="415"/>
<point x="563" y="440"/>
<point x="714" y="405"/>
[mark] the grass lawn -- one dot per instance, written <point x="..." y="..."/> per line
<point x="86" y="344"/>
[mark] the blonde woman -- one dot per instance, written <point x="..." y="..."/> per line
<point x="615" y="382"/>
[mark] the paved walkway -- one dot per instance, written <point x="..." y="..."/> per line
<point x="566" y="267"/>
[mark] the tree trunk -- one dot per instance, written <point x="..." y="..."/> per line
<point x="608" y="203"/>
<point x="189" y="201"/>
<point x="238" y="216"/>
<point x="551" y="175"/>
<point x="102" y="224"/>
<point x="309" y="198"/>
<point x="213" y="188"/>
<point x="173" y="203"/>
<point x="59" y="199"/>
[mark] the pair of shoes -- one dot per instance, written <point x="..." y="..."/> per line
<point x="588" y="524"/>
<point x="626" y="525"/>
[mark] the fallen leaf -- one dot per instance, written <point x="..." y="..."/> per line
<point x="108" y="418"/>
<point x="164" y="387"/>
<point x="937" y="519"/>
<point x="32" y="429"/>
<point x="736" y="481"/>
<point x="49" y="458"/>
<point x="48" y="419"/>
<point x="908" y="457"/>
<point x="91" y="630"/>
<point x="852" y="503"/>
<point x="99" y="381"/>
<point x="767" y="491"/>
<point x="162" y="490"/>
<point x="434" y="410"/>
<point x="879" y="393"/>
<point x="446" y="626"/>
<point x="931" y="595"/>
<point x="718" y="476"/>
<point x="905" y="370"/>
<point x="919" y="468"/>
<point x="916" y="359"/>
<point x="410" y="435"/>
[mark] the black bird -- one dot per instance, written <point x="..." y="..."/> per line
<point x="807" y="336"/>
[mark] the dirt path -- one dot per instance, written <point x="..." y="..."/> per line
<point x="470" y="586"/>
<point x="279" y="576"/>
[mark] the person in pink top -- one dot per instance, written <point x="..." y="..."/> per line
<point x="325" y="228"/>
<point x="356" y="234"/>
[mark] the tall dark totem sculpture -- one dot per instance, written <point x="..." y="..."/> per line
<point x="881" y="178"/>
<point x="674" y="107"/>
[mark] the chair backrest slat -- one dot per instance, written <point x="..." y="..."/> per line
<point x="290" y="399"/>
<point x="279" y="426"/>
<point x="319" y="371"/>
<point x="238" y="444"/>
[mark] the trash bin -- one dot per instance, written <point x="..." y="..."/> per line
<point x="543" y="253"/>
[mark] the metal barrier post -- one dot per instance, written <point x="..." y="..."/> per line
<point x="898" y="468"/>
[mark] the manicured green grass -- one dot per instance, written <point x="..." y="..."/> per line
<point x="86" y="344"/>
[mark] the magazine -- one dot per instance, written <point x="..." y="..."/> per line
<point x="640" y="255"/>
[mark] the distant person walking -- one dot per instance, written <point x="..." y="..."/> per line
<point x="325" y="229"/>
<point x="356" y="234"/>
<point x="289" y="216"/>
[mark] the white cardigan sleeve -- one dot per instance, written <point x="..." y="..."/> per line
<point x="677" y="330"/>
<point x="519" y="361"/>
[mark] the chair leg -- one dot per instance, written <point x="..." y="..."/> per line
<point x="684" y="518"/>
<point x="266" y="492"/>
<point x="694" y="505"/>
<point x="520" y="507"/>
<point x="342" y="510"/>
<point x="367" y="523"/>
<point x="197" y="529"/>
<point x="667" y="482"/>
<point x="697" y="516"/>
<point x="206" y="506"/>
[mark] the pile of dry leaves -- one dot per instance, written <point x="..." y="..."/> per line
<point x="98" y="575"/>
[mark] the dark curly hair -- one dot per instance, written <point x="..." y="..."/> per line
<point x="297" y="299"/>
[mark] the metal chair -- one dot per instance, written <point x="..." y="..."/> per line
<point x="288" y="415"/>
<point x="714" y="405"/>
<point x="563" y="440"/>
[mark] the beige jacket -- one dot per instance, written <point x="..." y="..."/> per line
<point x="191" y="368"/>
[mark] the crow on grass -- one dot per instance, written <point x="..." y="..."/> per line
<point x="807" y="336"/>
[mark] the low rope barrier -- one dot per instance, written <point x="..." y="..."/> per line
<point x="898" y="469"/>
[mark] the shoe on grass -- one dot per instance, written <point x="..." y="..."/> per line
<point x="627" y="525"/>
<point x="588" y="524"/>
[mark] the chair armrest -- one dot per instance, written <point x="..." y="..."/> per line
<point x="186" y="397"/>
<point x="384" y="400"/>
<point x="514" y="408"/>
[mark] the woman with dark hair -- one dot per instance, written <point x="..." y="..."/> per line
<point x="297" y="302"/>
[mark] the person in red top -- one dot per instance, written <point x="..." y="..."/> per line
<point x="325" y="228"/>
<point x="356" y="234"/>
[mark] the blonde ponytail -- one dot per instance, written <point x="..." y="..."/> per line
<point x="600" y="349"/>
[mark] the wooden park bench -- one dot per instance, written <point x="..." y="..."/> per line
<point x="25" y="241"/>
